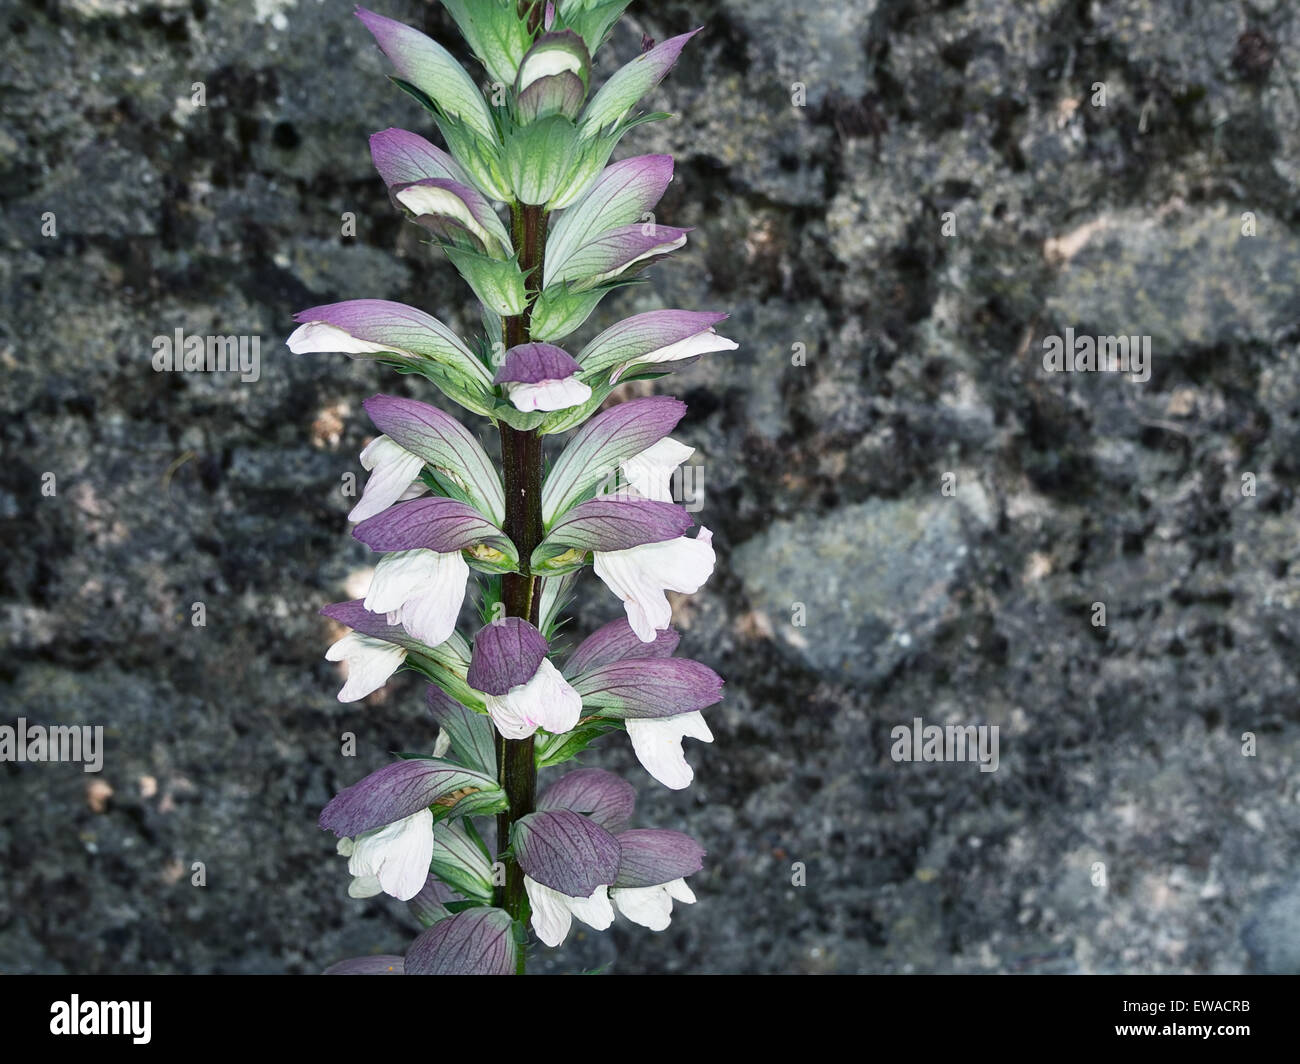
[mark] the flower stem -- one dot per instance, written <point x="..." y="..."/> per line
<point x="521" y="460"/>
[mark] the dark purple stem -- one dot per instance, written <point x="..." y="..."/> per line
<point x="521" y="460"/>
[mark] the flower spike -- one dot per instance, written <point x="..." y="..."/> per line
<point x="520" y="521"/>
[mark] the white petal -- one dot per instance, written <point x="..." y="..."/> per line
<point x="382" y="450"/>
<point x="426" y="199"/>
<point x="431" y="615"/>
<point x="651" y="471"/>
<point x="679" y="890"/>
<point x="398" y="854"/>
<point x="642" y="594"/>
<point x="364" y="887"/>
<point x="546" y="701"/>
<point x="658" y="746"/>
<point x="443" y="743"/>
<point x="344" y="848"/>
<point x="370" y="662"/>
<point x="596" y="911"/>
<point x="551" y="701"/>
<point x="685" y="563"/>
<point x="660" y="249"/>
<point x="648" y="906"/>
<point x="508" y="718"/>
<point x="551" y="915"/>
<point x="548" y="394"/>
<point x="400" y="575"/>
<point x="700" y="344"/>
<point x="548" y="62"/>
<point x="317" y="336"/>
<point x="640" y="575"/>
<point x="394" y="471"/>
<point x="420" y="589"/>
<point x="417" y="488"/>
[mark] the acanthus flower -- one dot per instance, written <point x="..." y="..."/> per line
<point x="657" y="696"/>
<point x="552" y="78"/>
<point x="379" y="327"/>
<point x="392" y="860"/>
<point x="661" y="340"/>
<point x="442" y="516"/>
<point x="579" y="862"/>
<point x="541" y="377"/>
<point x="653" y="866"/>
<point x="641" y="576"/>
<point x="376" y="648"/>
<point x="522" y="690"/>
<point x="386" y="828"/>
<point x="639" y="551"/>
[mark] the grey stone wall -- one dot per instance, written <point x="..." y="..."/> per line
<point x="821" y="226"/>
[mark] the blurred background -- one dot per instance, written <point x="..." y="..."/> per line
<point x="893" y="243"/>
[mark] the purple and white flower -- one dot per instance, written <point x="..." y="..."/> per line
<point x="436" y="190"/>
<point x="658" y="697"/>
<point x="552" y="77"/>
<point x="639" y="551"/>
<point x="370" y="663"/>
<point x="385" y="826"/>
<point x="608" y="439"/>
<point x="541" y="377"/>
<point x="621" y="194"/>
<point x="443" y="443"/>
<point x="545" y="701"/>
<point x="449" y="208"/>
<point x="392" y="860"/>
<point x="653" y="866"/>
<point x="376" y="648"/>
<point x="659" y="339"/>
<point x="641" y="575"/>
<point x="522" y="690"/>
<point x="617" y="252"/>
<point x="552" y="54"/>
<point x="369" y="327"/>
<point x="569" y="862"/>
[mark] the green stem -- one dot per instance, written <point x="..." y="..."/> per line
<point x="521" y="461"/>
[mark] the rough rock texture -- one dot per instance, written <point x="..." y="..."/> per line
<point x="951" y="193"/>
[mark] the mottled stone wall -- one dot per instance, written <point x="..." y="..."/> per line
<point x="948" y="195"/>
